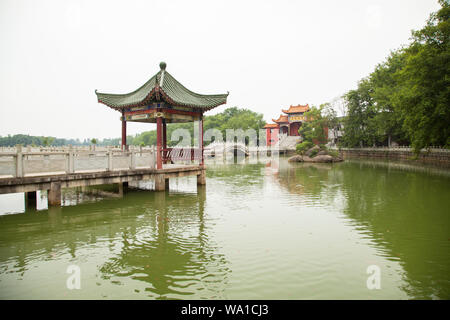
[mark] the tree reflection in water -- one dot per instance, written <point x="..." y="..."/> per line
<point x="166" y="245"/>
<point x="398" y="206"/>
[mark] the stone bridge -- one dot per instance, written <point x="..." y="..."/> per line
<point x="31" y="170"/>
<point x="233" y="148"/>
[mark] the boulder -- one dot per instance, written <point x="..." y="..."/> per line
<point x="323" y="158"/>
<point x="308" y="153"/>
<point x="295" y="159"/>
<point x="307" y="159"/>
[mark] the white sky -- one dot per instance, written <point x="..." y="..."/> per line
<point x="268" y="54"/>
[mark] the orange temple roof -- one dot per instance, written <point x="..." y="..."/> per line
<point x="271" y="126"/>
<point x="281" y="119"/>
<point x="297" y="109"/>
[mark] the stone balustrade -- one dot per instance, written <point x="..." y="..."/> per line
<point x="21" y="162"/>
<point x="436" y="155"/>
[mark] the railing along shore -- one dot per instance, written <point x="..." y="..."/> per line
<point x="396" y="148"/>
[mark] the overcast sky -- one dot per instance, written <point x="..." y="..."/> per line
<point x="268" y="54"/>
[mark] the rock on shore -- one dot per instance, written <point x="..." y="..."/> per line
<point x="295" y="159"/>
<point x="321" y="156"/>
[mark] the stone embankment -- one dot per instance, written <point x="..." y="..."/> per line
<point x="433" y="155"/>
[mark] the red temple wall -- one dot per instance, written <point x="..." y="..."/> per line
<point x="274" y="136"/>
<point x="271" y="136"/>
<point x="268" y="137"/>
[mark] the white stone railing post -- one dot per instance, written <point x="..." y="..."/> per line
<point x="133" y="160"/>
<point x="19" y="161"/>
<point x="70" y="161"/>
<point x="110" y="160"/>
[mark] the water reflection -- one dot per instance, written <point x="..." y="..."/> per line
<point x="399" y="207"/>
<point x="175" y="256"/>
<point x="158" y="238"/>
<point x="286" y="230"/>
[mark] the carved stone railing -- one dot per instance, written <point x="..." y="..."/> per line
<point x="21" y="164"/>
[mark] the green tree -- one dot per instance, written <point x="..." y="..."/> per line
<point x="230" y="118"/>
<point x="47" y="141"/>
<point x="388" y="120"/>
<point x="423" y="95"/>
<point x="407" y="97"/>
<point x="359" y="127"/>
<point x="314" y="130"/>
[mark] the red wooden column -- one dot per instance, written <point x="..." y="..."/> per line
<point x="201" y="178"/>
<point x="124" y="132"/>
<point x="268" y="136"/>
<point x="200" y="140"/>
<point x="164" y="135"/>
<point x="159" y="142"/>
<point x="275" y="136"/>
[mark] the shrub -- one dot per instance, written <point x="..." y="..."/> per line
<point x="302" y="147"/>
<point x="313" y="153"/>
<point x="333" y="153"/>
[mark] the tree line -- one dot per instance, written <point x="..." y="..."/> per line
<point x="230" y="118"/>
<point x="28" y="140"/>
<point x="406" y="99"/>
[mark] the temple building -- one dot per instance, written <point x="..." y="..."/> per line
<point x="287" y="124"/>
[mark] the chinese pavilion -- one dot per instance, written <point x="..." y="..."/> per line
<point x="287" y="124"/>
<point x="162" y="100"/>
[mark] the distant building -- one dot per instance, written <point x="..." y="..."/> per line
<point x="335" y="134"/>
<point x="287" y="124"/>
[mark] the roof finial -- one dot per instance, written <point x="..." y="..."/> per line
<point x="163" y="65"/>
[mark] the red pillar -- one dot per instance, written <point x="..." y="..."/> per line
<point x="200" y="141"/>
<point x="158" y="143"/>
<point x="268" y="131"/>
<point x="124" y="132"/>
<point x="274" y="136"/>
<point x="164" y="136"/>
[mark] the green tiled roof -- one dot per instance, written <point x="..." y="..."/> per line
<point x="162" y="87"/>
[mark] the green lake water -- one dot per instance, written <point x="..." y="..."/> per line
<point x="257" y="230"/>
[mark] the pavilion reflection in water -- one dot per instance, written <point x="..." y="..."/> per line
<point x="178" y="259"/>
<point x="162" y="238"/>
